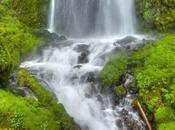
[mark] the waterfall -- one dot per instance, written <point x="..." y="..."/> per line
<point x="51" y="20"/>
<point x="69" y="68"/>
<point x="79" y="18"/>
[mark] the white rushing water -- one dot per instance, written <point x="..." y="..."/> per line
<point x="51" y="22"/>
<point x="80" y="18"/>
<point x="69" y="68"/>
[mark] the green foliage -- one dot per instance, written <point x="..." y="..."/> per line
<point x="16" y="120"/>
<point x="16" y="39"/>
<point x="113" y="70"/>
<point x="30" y="12"/>
<point x="26" y="113"/>
<point x="26" y="80"/>
<point x="120" y="91"/>
<point x="47" y="99"/>
<point x="167" y="126"/>
<point x="21" y="113"/>
<point x="155" y="79"/>
<point x="159" y="14"/>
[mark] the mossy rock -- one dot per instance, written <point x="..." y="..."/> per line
<point x="120" y="91"/>
<point x="114" y="70"/>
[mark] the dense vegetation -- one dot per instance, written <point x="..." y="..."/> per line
<point x="155" y="79"/>
<point x="157" y="14"/>
<point x="154" y="76"/>
<point x="27" y="113"/>
<point x="18" y="20"/>
<point x="16" y="39"/>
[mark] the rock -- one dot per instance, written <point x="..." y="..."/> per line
<point x="62" y="38"/>
<point x="120" y="91"/>
<point x="78" y="66"/>
<point x="82" y="48"/>
<point x="89" y="77"/>
<point x="126" y="40"/>
<point x="83" y="58"/>
<point x="129" y="121"/>
<point x="119" y="123"/>
<point x="18" y="91"/>
<point x="53" y="36"/>
<point x="128" y="80"/>
<point x="124" y="112"/>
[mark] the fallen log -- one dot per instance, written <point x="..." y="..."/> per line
<point x="144" y="116"/>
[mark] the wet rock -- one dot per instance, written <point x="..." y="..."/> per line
<point x="78" y="66"/>
<point x="83" y="58"/>
<point x="128" y="120"/>
<point x="124" y="112"/>
<point x="90" y="77"/>
<point x="126" y="40"/>
<point x="81" y="48"/>
<point x="62" y="38"/>
<point x="136" y="126"/>
<point x="119" y="123"/>
<point x="53" y="36"/>
<point x="128" y="80"/>
<point x="18" y="92"/>
<point x="100" y="99"/>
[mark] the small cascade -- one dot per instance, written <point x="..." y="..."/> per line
<point x="70" y="68"/>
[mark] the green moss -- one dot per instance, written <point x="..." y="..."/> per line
<point x="155" y="79"/>
<point x="47" y="99"/>
<point x="20" y="113"/>
<point x="16" y="39"/>
<point x="43" y="95"/>
<point x="158" y="14"/>
<point x="167" y="126"/>
<point x="30" y="12"/>
<point x="120" y="91"/>
<point x="113" y="70"/>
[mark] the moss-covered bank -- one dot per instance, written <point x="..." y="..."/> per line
<point x="156" y="14"/>
<point x="155" y="79"/>
<point x="154" y="76"/>
<point x="27" y="113"/>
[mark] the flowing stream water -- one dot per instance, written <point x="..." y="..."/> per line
<point x="69" y="67"/>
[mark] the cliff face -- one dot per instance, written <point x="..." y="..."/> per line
<point x="157" y="14"/>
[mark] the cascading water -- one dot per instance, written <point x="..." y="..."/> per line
<point x="52" y="16"/>
<point x="77" y="18"/>
<point x="69" y="67"/>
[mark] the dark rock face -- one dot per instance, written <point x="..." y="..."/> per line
<point x="83" y="58"/>
<point x="129" y="121"/>
<point x="62" y="38"/>
<point x="89" y="77"/>
<point x="84" y="52"/>
<point x="126" y="40"/>
<point x="81" y="48"/>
